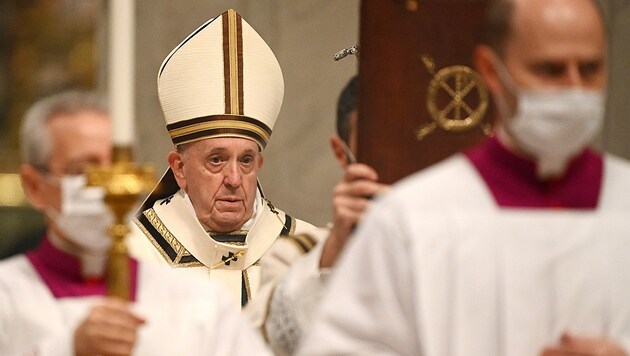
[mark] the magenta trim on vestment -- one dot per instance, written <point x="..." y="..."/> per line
<point x="61" y="272"/>
<point x="513" y="181"/>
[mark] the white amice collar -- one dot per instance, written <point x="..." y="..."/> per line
<point x="248" y="224"/>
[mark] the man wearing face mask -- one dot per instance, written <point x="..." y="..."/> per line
<point x="519" y="246"/>
<point x="53" y="298"/>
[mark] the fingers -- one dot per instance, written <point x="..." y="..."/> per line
<point x="561" y="351"/>
<point x="116" y="311"/>
<point x="351" y="197"/>
<point x="115" y="320"/>
<point x="347" y="212"/>
<point x="572" y="345"/>
<point x="598" y="346"/>
<point x="110" y="329"/>
<point x="361" y="180"/>
<point x="359" y="188"/>
<point x="359" y="171"/>
<point x="348" y="205"/>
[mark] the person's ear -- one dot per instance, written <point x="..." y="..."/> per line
<point x="32" y="183"/>
<point x="261" y="160"/>
<point x="485" y="59"/>
<point x="338" y="147"/>
<point x="177" y="166"/>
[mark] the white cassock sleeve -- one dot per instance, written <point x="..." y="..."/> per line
<point x="368" y="308"/>
<point x="294" y="302"/>
<point x="277" y="262"/>
<point x="57" y="342"/>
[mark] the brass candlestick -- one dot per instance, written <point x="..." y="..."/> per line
<point x="124" y="183"/>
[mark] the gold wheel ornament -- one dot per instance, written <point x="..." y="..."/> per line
<point x="461" y="85"/>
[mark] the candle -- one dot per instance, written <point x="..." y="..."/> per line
<point x="121" y="70"/>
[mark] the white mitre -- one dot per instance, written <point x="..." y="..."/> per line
<point x="223" y="80"/>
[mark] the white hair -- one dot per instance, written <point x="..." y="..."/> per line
<point x="35" y="140"/>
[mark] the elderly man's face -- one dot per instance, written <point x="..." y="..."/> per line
<point x="219" y="175"/>
<point x="556" y="43"/>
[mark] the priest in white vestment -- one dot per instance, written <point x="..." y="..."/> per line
<point x="44" y="299"/>
<point x="519" y="246"/>
<point x="53" y="300"/>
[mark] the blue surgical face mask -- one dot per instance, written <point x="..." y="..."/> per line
<point x="552" y="125"/>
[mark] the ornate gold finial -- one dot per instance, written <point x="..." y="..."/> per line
<point x="124" y="183"/>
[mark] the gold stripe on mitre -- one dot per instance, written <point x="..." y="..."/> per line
<point x="220" y="126"/>
<point x="233" y="65"/>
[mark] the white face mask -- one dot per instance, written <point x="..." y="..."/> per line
<point x="552" y="125"/>
<point x="85" y="220"/>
